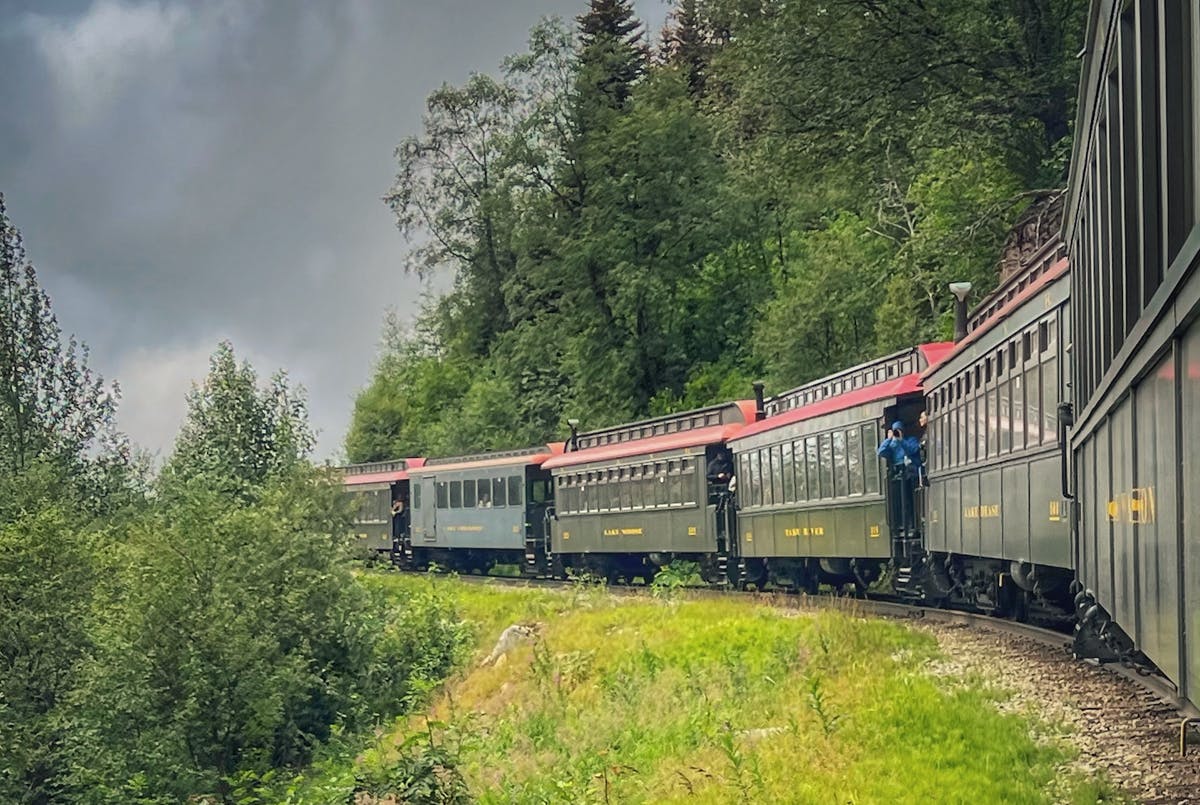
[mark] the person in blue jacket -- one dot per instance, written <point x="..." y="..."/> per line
<point x="903" y="454"/>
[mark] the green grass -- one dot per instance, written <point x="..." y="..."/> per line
<point x="644" y="699"/>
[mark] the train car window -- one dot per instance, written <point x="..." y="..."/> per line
<point x="1049" y="400"/>
<point x="456" y="494"/>
<point x="468" y="493"/>
<point x="1026" y="346"/>
<point x="416" y="495"/>
<point x="689" y="482"/>
<point x="962" y="433"/>
<point x="993" y="415"/>
<point x="987" y="375"/>
<point x="499" y="498"/>
<point x="1043" y="336"/>
<point x="1000" y="362"/>
<point x="978" y="375"/>
<point x="1033" y="407"/>
<point x="543" y="491"/>
<point x="626" y="485"/>
<point x="635" y="488"/>
<point x="951" y="436"/>
<point x="870" y="462"/>
<point x="755" y="477"/>
<point x="1018" y="412"/>
<point x="789" y="473"/>
<point x="813" y="482"/>
<point x="825" y="448"/>
<point x="965" y="436"/>
<point x="1004" y="418"/>
<point x="840" y="471"/>
<point x="649" y="485"/>
<point x="674" y="483"/>
<point x="1012" y="354"/>
<point x="799" y="471"/>
<point x="441" y="495"/>
<point x="939" y="457"/>
<point x="981" y="427"/>
<point x="515" y="496"/>
<point x="483" y="493"/>
<point x="768" y="472"/>
<point x="967" y="384"/>
<point x="854" y="460"/>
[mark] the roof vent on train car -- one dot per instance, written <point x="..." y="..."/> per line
<point x="760" y="407"/>
<point x="960" y="291"/>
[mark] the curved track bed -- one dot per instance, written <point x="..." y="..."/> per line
<point x="1124" y="720"/>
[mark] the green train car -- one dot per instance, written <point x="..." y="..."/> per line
<point x="633" y="498"/>
<point x="373" y="489"/>
<point x="997" y="529"/>
<point x="811" y="494"/>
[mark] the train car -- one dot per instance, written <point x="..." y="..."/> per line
<point x="1134" y="403"/>
<point x="470" y="513"/>
<point x="813" y="499"/>
<point x="373" y="487"/>
<point x="632" y="498"/>
<point x="997" y="534"/>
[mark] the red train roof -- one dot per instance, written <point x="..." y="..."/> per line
<point x="391" y="476"/>
<point x="375" y="478"/>
<point x="524" y="459"/>
<point x="715" y="434"/>
<point x="905" y="384"/>
<point x="1057" y="270"/>
<point x="935" y="352"/>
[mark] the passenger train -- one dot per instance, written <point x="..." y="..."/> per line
<point x="1061" y="429"/>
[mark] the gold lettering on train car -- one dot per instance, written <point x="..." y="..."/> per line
<point x="464" y="528"/>
<point x="1113" y="510"/>
<point x="873" y="532"/>
<point x="631" y="532"/>
<point x="612" y="532"/>
<point x="981" y="512"/>
<point x="1141" y="505"/>
<point x="791" y="532"/>
<point x="691" y="531"/>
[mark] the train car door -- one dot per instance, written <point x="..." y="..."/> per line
<point x="539" y="497"/>
<point x="425" y="512"/>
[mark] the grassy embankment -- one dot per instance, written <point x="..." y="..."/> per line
<point x="716" y="700"/>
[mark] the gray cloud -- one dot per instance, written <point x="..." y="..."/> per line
<point x="186" y="172"/>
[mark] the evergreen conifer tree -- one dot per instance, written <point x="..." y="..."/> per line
<point x="612" y="57"/>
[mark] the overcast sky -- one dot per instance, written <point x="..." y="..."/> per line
<point x="186" y="172"/>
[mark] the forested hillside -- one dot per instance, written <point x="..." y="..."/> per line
<point x="772" y="189"/>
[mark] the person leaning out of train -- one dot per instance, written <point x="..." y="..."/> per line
<point x="398" y="515"/>
<point x="901" y="451"/>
